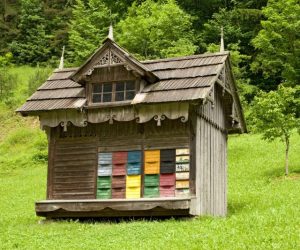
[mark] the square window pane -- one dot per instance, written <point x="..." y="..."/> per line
<point x="130" y="85"/>
<point x="107" y="97"/>
<point x="107" y="87"/>
<point x="119" y="96"/>
<point x="120" y="86"/>
<point x="97" y="88"/>
<point x="96" y="97"/>
<point x="130" y="95"/>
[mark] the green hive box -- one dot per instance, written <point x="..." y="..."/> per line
<point x="104" y="182"/>
<point x="151" y="180"/>
<point x="104" y="193"/>
<point x="150" y="192"/>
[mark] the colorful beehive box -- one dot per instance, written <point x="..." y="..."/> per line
<point x="152" y="162"/>
<point x="133" y="181"/>
<point x="167" y="180"/>
<point x="119" y="161"/>
<point x="150" y="192"/>
<point x="119" y="193"/>
<point x="134" y="162"/>
<point x="184" y="192"/>
<point x="151" y="180"/>
<point x="133" y="192"/>
<point x="167" y="160"/>
<point x="167" y="191"/>
<point x="104" y="182"/>
<point x="104" y="193"/>
<point x="182" y="151"/>
<point x="104" y="164"/>
<point x="183" y="176"/>
<point x="118" y="181"/>
<point x="182" y="184"/>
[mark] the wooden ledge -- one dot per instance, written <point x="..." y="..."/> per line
<point x="113" y="207"/>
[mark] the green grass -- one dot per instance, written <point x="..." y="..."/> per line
<point x="264" y="205"/>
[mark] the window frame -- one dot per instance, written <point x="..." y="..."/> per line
<point x="113" y="96"/>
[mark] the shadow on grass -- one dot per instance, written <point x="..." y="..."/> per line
<point x="235" y="208"/>
<point x="280" y="172"/>
<point x="116" y="220"/>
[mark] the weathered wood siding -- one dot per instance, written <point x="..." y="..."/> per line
<point x="72" y="168"/>
<point x="73" y="155"/>
<point x="210" y="145"/>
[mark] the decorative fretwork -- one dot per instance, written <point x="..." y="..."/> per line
<point x="114" y="59"/>
<point x="104" y="60"/>
<point x="109" y="58"/>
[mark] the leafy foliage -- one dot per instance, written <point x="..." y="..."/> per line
<point x="32" y="44"/>
<point x="275" y="115"/>
<point x="89" y="26"/>
<point x="278" y="43"/>
<point x="7" y="80"/>
<point x="155" y="30"/>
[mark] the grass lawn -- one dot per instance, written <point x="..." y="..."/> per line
<point x="264" y="206"/>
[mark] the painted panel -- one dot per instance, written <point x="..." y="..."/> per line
<point x="185" y="192"/>
<point x="167" y="191"/>
<point x="182" y="184"/>
<point x="134" y="168"/>
<point x="104" y="193"/>
<point x="118" y="181"/>
<point x="133" y="181"/>
<point x="182" y="159"/>
<point x="152" y="168"/>
<point x="119" y="193"/>
<point x="134" y="156"/>
<point x="182" y="151"/>
<point x="182" y="167"/>
<point x="167" y="154"/>
<point x="119" y="157"/>
<point x="151" y="180"/>
<point x="119" y="169"/>
<point x="167" y="180"/>
<point x="105" y="170"/>
<point x="103" y="182"/>
<point x="133" y="192"/>
<point x="150" y="192"/>
<point x="183" y="176"/>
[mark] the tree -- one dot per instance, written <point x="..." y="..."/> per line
<point x="32" y="44"/>
<point x="156" y="30"/>
<point x="274" y="114"/>
<point x="7" y="80"/>
<point x="278" y="43"/>
<point x="89" y="26"/>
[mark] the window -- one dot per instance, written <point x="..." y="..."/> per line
<point x="113" y="92"/>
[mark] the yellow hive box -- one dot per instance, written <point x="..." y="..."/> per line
<point x="183" y="184"/>
<point x="133" y="192"/>
<point x="152" y="161"/>
<point x="133" y="181"/>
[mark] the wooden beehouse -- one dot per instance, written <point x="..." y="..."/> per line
<point x="132" y="138"/>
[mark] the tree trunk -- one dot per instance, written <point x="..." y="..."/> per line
<point x="287" y="147"/>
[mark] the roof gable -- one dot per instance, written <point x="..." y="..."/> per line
<point x="110" y="54"/>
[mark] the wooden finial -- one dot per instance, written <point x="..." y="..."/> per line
<point x="111" y="32"/>
<point x="222" y="40"/>
<point x="61" y="64"/>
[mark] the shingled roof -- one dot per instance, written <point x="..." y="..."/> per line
<point x="183" y="78"/>
<point x="179" y="79"/>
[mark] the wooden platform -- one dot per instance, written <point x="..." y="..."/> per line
<point x="113" y="207"/>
